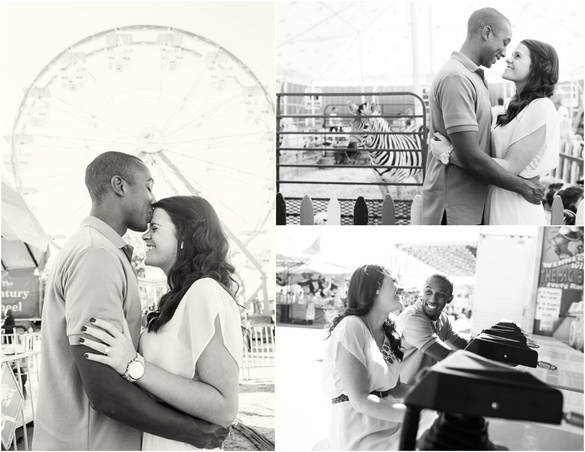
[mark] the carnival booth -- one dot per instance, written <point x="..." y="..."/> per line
<point x="310" y="288"/>
<point x="523" y="368"/>
<point x="25" y="250"/>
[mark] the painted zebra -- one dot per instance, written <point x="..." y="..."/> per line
<point x="406" y="149"/>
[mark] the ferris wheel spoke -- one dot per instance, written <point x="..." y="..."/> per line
<point x="71" y="217"/>
<point x="139" y="114"/>
<point x="215" y="139"/>
<point x="104" y="92"/>
<point x="159" y="97"/>
<point x="209" y="114"/>
<point x="236" y="169"/>
<point x="47" y="181"/>
<point x="80" y="141"/>
<point x="60" y="145"/>
<point x="186" y="97"/>
<point x="208" y="195"/>
<point x="88" y="118"/>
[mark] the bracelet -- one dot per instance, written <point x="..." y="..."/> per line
<point x="444" y="157"/>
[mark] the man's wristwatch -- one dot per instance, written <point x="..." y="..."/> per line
<point x="444" y="157"/>
<point x="135" y="369"/>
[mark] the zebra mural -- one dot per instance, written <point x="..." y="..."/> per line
<point x="391" y="150"/>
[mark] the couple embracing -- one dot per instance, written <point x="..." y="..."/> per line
<point x="476" y="175"/>
<point x="104" y="385"/>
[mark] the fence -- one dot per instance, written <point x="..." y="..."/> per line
<point x="335" y="211"/>
<point x="20" y="367"/>
<point x="259" y="348"/>
<point x="570" y="167"/>
<point x="366" y="212"/>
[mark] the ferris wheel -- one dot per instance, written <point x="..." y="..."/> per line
<point x="187" y="107"/>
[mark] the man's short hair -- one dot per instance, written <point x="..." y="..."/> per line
<point x="486" y="16"/>
<point x="99" y="173"/>
<point x="445" y="278"/>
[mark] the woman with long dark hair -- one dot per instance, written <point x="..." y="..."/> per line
<point x="190" y="353"/>
<point x="361" y="367"/>
<point x="526" y="137"/>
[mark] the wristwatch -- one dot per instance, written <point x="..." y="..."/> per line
<point x="135" y="369"/>
<point x="444" y="157"/>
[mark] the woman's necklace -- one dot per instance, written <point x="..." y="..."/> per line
<point x="385" y="349"/>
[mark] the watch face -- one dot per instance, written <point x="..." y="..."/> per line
<point x="136" y="370"/>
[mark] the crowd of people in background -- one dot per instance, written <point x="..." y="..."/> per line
<point x="571" y="195"/>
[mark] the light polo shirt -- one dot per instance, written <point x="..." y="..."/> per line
<point x="419" y="333"/>
<point x="459" y="102"/>
<point x="92" y="277"/>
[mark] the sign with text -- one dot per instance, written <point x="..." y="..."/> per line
<point x="12" y="402"/>
<point x="548" y="306"/>
<point x="21" y="293"/>
<point x="560" y="281"/>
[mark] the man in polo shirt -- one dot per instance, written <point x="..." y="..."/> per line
<point x="428" y="335"/>
<point x="83" y="405"/>
<point x="461" y="110"/>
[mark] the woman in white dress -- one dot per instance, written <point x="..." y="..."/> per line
<point x="526" y="137"/>
<point x="361" y="366"/>
<point x="192" y="347"/>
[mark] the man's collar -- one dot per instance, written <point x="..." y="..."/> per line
<point x="419" y="307"/>
<point x="105" y="229"/>
<point x="465" y="60"/>
<point x="469" y="65"/>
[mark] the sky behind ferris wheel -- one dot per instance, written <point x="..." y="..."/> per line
<point x="33" y="33"/>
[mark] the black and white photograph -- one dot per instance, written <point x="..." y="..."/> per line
<point x="430" y="338"/>
<point x="179" y="181"/>
<point x="443" y="112"/>
<point x="137" y="225"/>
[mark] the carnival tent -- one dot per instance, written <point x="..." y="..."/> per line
<point x="24" y="242"/>
<point x="25" y="249"/>
<point x="406" y="250"/>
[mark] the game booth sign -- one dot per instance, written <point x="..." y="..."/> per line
<point x="559" y="305"/>
<point x="21" y="292"/>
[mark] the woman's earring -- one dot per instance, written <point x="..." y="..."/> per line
<point x="182" y="243"/>
<point x="377" y="292"/>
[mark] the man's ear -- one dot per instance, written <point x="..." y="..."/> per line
<point x="450" y="299"/>
<point x="486" y="32"/>
<point x="118" y="185"/>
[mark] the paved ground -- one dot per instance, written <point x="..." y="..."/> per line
<point x="256" y="410"/>
<point x="302" y="409"/>
<point x="342" y="174"/>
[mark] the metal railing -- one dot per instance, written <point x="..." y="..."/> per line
<point x="570" y="167"/>
<point x="292" y="153"/>
<point x="21" y="358"/>
<point x="259" y="348"/>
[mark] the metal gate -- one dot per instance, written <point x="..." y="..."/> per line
<point x="312" y="135"/>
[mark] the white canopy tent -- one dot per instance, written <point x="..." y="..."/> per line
<point x="24" y="242"/>
<point x="174" y="83"/>
<point x="355" y="246"/>
<point x="404" y="42"/>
